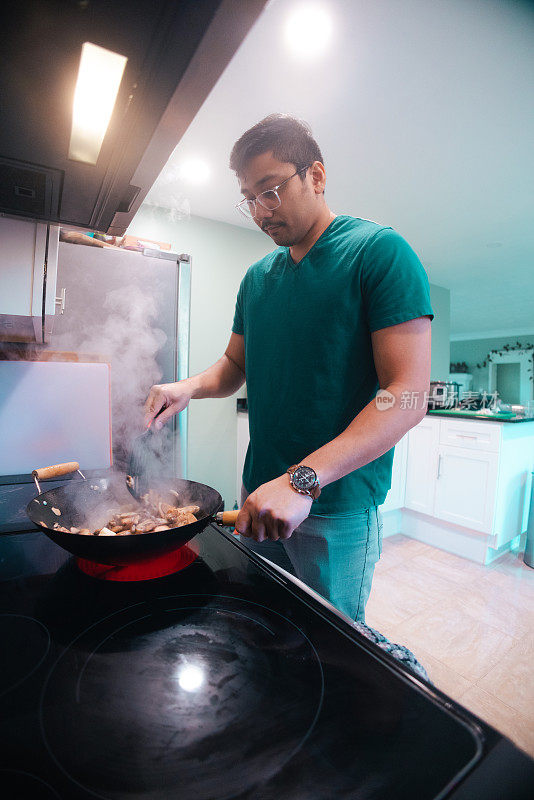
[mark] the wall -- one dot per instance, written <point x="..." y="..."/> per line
<point x="221" y="253"/>
<point x="440" y="300"/>
<point x="474" y="351"/>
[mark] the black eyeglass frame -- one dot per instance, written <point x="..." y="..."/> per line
<point x="246" y="203"/>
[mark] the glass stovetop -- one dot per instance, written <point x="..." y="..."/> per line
<point x="221" y="681"/>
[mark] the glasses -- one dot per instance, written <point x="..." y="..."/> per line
<point x="269" y="199"/>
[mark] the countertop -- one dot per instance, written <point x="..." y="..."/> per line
<point x="467" y="414"/>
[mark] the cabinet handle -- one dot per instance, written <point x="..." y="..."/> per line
<point x="439" y="465"/>
<point x="60" y="301"/>
<point x="466" y="436"/>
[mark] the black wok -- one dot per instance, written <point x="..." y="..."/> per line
<point x="90" y="504"/>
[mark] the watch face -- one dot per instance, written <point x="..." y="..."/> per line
<point x="304" y="478"/>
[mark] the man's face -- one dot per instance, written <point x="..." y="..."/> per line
<point x="288" y="224"/>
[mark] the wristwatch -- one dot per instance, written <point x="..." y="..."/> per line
<point x="304" y="480"/>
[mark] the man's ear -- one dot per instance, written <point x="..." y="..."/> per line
<point x="318" y="175"/>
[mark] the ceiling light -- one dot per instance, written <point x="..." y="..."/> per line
<point x="308" y="31"/>
<point x="194" y="170"/>
<point x="99" y="78"/>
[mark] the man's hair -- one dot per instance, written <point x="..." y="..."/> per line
<point x="289" y="139"/>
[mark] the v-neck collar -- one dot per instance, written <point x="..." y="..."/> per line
<point x="296" y="264"/>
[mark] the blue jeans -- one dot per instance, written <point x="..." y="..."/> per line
<point x="335" y="556"/>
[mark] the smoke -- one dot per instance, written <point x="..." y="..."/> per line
<point x="130" y="339"/>
<point x="123" y="332"/>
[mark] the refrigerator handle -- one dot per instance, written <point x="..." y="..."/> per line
<point x="60" y="301"/>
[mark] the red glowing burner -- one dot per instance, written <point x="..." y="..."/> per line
<point x="150" y="568"/>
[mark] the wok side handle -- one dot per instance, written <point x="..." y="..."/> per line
<point x="55" y="471"/>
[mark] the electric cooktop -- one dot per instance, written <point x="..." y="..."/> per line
<point x="226" y="679"/>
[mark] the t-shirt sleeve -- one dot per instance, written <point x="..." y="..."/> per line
<point x="238" y="325"/>
<point x="394" y="282"/>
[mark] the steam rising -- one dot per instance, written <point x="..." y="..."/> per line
<point x="124" y="332"/>
<point x="131" y="341"/>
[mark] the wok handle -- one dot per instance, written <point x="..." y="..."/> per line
<point x="57" y="469"/>
<point x="227" y="517"/>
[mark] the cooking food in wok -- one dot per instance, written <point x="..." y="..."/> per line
<point x="152" y="514"/>
<point x="90" y="504"/>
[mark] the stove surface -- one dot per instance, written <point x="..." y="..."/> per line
<point x="224" y="680"/>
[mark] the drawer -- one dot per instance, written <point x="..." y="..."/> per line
<point x="475" y="435"/>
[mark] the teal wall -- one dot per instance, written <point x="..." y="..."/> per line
<point x="440" y="299"/>
<point x="221" y="254"/>
<point x="474" y="351"/>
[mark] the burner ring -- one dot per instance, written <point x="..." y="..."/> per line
<point x="158" y="729"/>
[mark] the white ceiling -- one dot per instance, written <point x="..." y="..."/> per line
<point x="424" y="111"/>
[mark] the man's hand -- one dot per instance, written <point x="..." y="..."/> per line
<point x="273" y="511"/>
<point x="172" y="397"/>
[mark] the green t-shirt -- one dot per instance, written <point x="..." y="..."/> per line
<point x="308" y="356"/>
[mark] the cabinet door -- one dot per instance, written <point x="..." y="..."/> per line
<point x="466" y="487"/>
<point x="17" y="266"/>
<point x="422" y="465"/>
<point x="26" y="247"/>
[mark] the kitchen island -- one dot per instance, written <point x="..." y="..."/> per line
<point x="467" y="483"/>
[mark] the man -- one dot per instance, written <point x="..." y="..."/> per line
<point x="338" y="310"/>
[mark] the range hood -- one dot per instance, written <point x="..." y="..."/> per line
<point x="175" y="49"/>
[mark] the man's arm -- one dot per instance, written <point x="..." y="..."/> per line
<point x="222" y="379"/>
<point x="402" y="361"/>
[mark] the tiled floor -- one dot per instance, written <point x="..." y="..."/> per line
<point x="472" y="627"/>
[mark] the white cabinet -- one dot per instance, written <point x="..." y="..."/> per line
<point x="28" y="273"/>
<point x="451" y="471"/>
<point x="465" y="487"/>
<point x="477" y="434"/>
<point x="473" y="474"/>
<point x="421" y="465"/>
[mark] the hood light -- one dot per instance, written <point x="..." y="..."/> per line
<point x="99" y="78"/>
